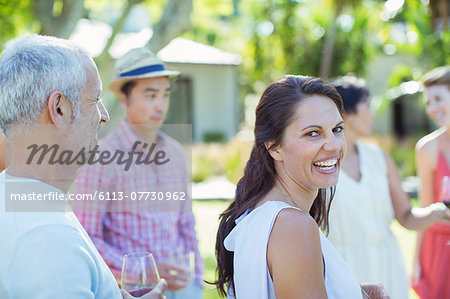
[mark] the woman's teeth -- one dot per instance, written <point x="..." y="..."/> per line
<point x="326" y="165"/>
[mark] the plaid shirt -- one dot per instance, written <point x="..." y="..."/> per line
<point x="116" y="227"/>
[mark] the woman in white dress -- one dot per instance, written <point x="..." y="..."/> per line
<point x="269" y="244"/>
<point x="368" y="197"/>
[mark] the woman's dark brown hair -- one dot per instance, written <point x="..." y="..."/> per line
<point x="274" y="113"/>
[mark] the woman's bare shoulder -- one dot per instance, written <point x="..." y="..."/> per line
<point x="294" y="227"/>
<point x="289" y="216"/>
<point x="294" y="251"/>
<point x="428" y="143"/>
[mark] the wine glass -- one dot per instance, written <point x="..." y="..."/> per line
<point x="445" y="190"/>
<point x="183" y="265"/>
<point x="139" y="273"/>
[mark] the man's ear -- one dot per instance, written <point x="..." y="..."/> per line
<point x="274" y="151"/>
<point x="59" y="109"/>
<point x="123" y="99"/>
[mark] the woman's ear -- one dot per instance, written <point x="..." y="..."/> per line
<point x="274" y="151"/>
<point x="59" y="109"/>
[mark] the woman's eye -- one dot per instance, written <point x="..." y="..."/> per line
<point x="312" y="134"/>
<point x="338" y="129"/>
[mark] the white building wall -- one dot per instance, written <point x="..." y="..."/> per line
<point x="379" y="70"/>
<point x="214" y="98"/>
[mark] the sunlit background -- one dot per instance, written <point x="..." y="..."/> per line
<point x="229" y="50"/>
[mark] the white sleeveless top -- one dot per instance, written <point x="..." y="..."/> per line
<point x="248" y="240"/>
<point x="360" y="217"/>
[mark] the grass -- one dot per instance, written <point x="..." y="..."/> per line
<point x="207" y="213"/>
<point x="407" y="241"/>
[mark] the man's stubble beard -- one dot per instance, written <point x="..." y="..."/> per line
<point x="82" y="135"/>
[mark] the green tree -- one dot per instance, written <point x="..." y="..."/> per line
<point x="433" y="35"/>
<point x="13" y="23"/>
<point x="59" y="18"/>
<point x="307" y="37"/>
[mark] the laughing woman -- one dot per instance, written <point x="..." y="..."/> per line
<point x="431" y="275"/>
<point x="269" y="244"/>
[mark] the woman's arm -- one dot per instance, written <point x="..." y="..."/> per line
<point x="415" y="218"/>
<point x="294" y="256"/>
<point x="426" y="159"/>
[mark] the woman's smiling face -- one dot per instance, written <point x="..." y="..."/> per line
<point x="437" y="100"/>
<point x="313" y="144"/>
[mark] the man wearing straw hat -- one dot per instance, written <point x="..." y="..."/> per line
<point x="164" y="227"/>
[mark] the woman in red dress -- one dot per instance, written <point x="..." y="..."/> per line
<point x="431" y="271"/>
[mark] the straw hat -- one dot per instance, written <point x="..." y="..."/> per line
<point x="137" y="64"/>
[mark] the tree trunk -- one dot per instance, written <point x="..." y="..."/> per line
<point x="62" y="25"/>
<point x="104" y="56"/>
<point x="326" y="61"/>
<point x="444" y="14"/>
<point x="175" y="20"/>
<point x="438" y="9"/>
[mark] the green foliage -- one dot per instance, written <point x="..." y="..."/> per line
<point x="210" y="159"/>
<point x="287" y="37"/>
<point x="431" y="47"/>
<point x="276" y="37"/>
<point x="212" y="24"/>
<point x="404" y="157"/>
<point x="283" y="36"/>
<point x="16" y="18"/>
<point x="209" y="275"/>
<point x="213" y="137"/>
<point x="234" y="167"/>
<point x="236" y="155"/>
<point x="403" y="153"/>
<point x="203" y="168"/>
<point x="400" y="73"/>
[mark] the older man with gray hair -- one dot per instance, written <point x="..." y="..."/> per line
<point x="49" y="95"/>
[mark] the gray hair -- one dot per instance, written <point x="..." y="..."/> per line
<point x="31" y="68"/>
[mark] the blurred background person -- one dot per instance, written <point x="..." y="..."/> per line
<point x="431" y="274"/>
<point x="368" y="198"/>
<point x="164" y="228"/>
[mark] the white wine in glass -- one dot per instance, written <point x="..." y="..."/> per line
<point x="185" y="262"/>
<point x="445" y="191"/>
